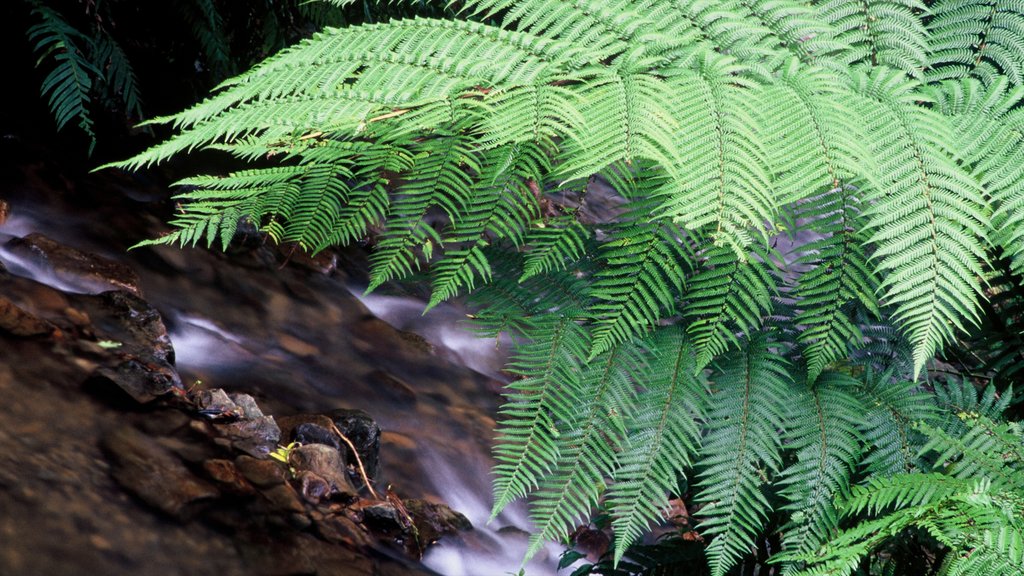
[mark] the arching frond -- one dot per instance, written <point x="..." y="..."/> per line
<point x="726" y="297"/>
<point x="929" y="223"/>
<point x="823" y="431"/>
<point x="662" y="440"/>
<point x="741" y="450"/>
<point x="983" y="39"/>
<point x="880" y="32"/>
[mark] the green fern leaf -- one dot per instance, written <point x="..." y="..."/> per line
<point x="68" y="86"/>
<point x="929" y="225"/>
<point x="824" y="434"/>
<point x="980" y="39"/>
<point x="741" y="450"/>
<point x="663" y="438"/>
<point x="526" y="447"/>
<point x="728" y="296"/>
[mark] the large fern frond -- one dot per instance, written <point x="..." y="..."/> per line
<point x="741" y="450"/>
<point x="663" y="438"/>
<point x="983" y="39"/>
<point x="840" y="278"/>
<point x="525" y="446"/>
<point x="824" y="434"/>
<point x="929" y="223"/>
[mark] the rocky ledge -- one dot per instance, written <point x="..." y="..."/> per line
<point x="112" y="465"/>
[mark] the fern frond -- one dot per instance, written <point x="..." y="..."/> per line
<point x="824" y="434"/>
<point x="723" y="185"/>
<point x="559" y="242"/>
<point x="525" y="447"/>
<point x="119" y="79"/>
<point x="68" y="86"/>
<point x="663" y="438"/>
<point x="725" y="298"/>
<point x="813" y="139"/>
<point x="880" y="32"/>
<point x="591" y="431"/>
<point x="892" y="411"/>
<point x="839" y="280"/>
<point x="929" y="224"/>
<point x="983" y="39"/>
<point x="741" y="450"/>
<point x="643" y="276"/>
<point x="989" y="131"/>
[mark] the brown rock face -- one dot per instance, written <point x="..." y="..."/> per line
<point x="85" y="269"/>
<point x="153" y="474"/>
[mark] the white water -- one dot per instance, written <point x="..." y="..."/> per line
<point x="489" y="550"/>
<point x="199" y="343"/>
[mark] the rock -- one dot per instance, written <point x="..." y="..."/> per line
<point x="86" y="270"/>
<point x="392" y="387"/>
<point x="309" y="433"/>
<point x="18" y="322"/>
<point x="143" y="381"/>
<point x="228" y="477"/>
<point x="290" y="424"/>
<point x="262" y="473"/>
<point x="246" y="403"/>
<point x="339" y="529"/>
<point x="257" y="437"/>
<point x="293" y="345"/>
<point x="322" y="473"/>
<point x="139" y="323"/>
<point x="216" y="404"/>
<point x="364" y="433"/>
<point x="435" y="520"/>
<point x="282" y="499"/>
<point x="149" y="471"/>
<point x="5" y="212"/>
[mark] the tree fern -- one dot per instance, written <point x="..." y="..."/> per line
<point x="824" y="434"/>
<point x="841" y="175"/>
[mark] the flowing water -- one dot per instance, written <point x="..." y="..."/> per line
<point x="299" y="339"/>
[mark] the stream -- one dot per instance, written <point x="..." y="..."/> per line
<point x="297" y="333"/>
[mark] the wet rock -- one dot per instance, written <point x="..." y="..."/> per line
<point x="295" y="346"/>
<point x="392" y="387"/>
<point x="435" y="520"/>
<point x="257" y="437"/>
<point x="5" y="212"/>
<point x="143" y="380"/>
<point x="322" y="473"/>
<point x="139" y="323"/>
<point x="216" y="404"/>
<point x="262" y="473"/>
<point x="309" y="433"/>
<point x="250" y="410"/>
<point x="364" y="433"/>
<point x="228" y="477"/>
<point x="290" y="424"/>
<point x="149" y="471"/>
<point x="18" y="322"/>
<point x="164" y="422"/>
<point x="283" y="499"/>
<point x="87" y="270"/>
<point x="339" y="529"/>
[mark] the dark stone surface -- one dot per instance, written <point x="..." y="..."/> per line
<point x="262" y="473"/>
<point x="257" y="437"/>
<point x="18" y="322"/>
<point x="89" y="271"/>
<point x="322" y="473"/>
<point x="364" y="433"/>
<point x="153" y="474"/>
